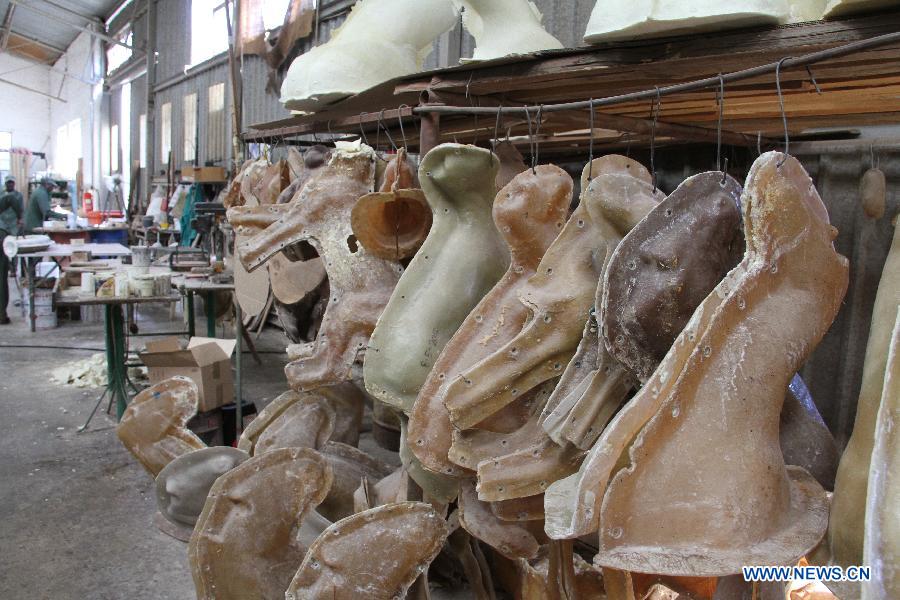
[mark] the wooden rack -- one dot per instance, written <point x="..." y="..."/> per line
<point x="862" y="88"/>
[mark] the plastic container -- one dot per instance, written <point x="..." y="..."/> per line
<point x="110" y="236"/>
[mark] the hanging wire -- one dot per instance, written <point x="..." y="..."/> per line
<point x="758" y="143"/>
<point x="386" y="132"/>
<point x="535" y="156"/>
<point x="496" y="134"/>
<point x="362" y="133"/>
<point x="721" y="102"/>
<point x="591" y="141"/>
<point x="813" y="79"/>
<point x="402" y="132"/>
<point x="655" y="113"/>
<point x="530" y="137"/>
<point x="787" y="138"/>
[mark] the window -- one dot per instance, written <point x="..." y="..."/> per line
<point x="190" y="127"/>
<point x="274" y="12"/>
<point x="117" y="55"/>
<point x="215" y="129"/>
<point x="114" y="149"/>
<point x="165" y="132"/>
<point x="209" y="30"/>
<point x="68" y="148"/>
<point x="142" y="141"/>
<point x="5" y="145"/>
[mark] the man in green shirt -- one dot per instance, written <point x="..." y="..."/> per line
<point x="39" y="206"/>
<point x="11" y="203"/>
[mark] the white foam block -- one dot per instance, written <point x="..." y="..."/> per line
<point x="504" y="27"/>
<point x="380" y="40"/>
<point x="630" y="19"/>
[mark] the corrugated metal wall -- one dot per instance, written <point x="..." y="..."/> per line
<point x="834" y="372"/>
<point x="200" y="85"/>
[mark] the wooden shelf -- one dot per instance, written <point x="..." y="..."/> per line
<point x="856" y="90"/>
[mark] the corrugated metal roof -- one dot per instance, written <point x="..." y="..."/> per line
<point x="55" y="22"/>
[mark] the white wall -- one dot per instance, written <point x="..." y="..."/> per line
<point x="81" y="62"/>
<point x="26" y="114"/>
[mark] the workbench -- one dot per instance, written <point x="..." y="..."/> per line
<point x="56" y="252"/>
<point x="114" y="332"/>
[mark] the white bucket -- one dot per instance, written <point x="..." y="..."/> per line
<point x="43" y="308"/>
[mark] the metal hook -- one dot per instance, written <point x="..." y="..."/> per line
<point x="362" y="133"/>
<point x="400" y="121"/>
<point x="787" y="138"/>
<point x="759" y="143"/>
<point x="535" y="156"/>
<point x="813" y="79"/>
<point x="720" y="100"/>
<point x="530" y="137"/>
<point x="655" y="114"/>
<point x="496" y="131"/>
<point x="386" y="132"/>
<point x="591" y="142"/>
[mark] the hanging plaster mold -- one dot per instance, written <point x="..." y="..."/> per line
<point x="394" y="221"/>
<point x="348" y="402"/>
<point x="246" y="542"/>
<point x="374" y="554"/>
<point x="154" y="426"/>
<point x="688" y="423"/>
<point x="360" y="284"/>
<point x="350" y="466"/>
<point x="512" y="540"/>
<point x="558" y="296"/>
<point x="528" y="213"/>
<point x="842" y="8"/>
<point x="545" y="578"/>
<point x="183" y="484"/>
<point x="666" y="266"/>
<point x="387" y="490"/>
<point x="511" y="163"/>
<point x="622" y="20"/>
<point x="804" y="438"/>
<point x="292" y="420"/>
<point x="845" y="531"/>
<point x="463" y="252"/>
<point x="881" y="547"/>
<point x="873" y="193"/>
<point x="505" y="27"/>
<point x="380" y="40"/>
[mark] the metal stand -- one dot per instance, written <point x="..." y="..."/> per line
<point x="116" y="374"/>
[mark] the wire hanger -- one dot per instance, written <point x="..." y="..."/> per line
<point x="362" y="133"/>
<point x="655" y="113"/>
<point x="530" y="137"/>
<point x="400" y="121"/>
<point x="591" y="141"/>
<point x="787" y="137"/>
<point x="496" y="134"/>
<point x="535" y="155"/>
<point x="381" y="125"/>
<point x="720" y="100"/>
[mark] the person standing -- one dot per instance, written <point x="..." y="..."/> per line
<point x="39" y="206"/>
<point x="11" y="203"/>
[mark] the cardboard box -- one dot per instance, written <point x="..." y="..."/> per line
<point x="203" y="174"/>
<point x="205" y="360"/>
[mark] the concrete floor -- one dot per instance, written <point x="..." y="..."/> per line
<point x="76" y="516"/>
